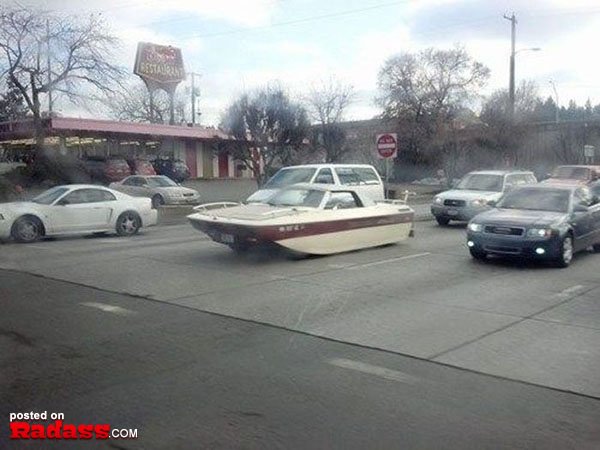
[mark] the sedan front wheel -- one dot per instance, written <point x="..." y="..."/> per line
<point x="157" y="201"/>
<point x="566" y="252"/>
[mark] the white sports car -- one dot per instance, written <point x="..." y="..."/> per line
<point x="75" y="209"/>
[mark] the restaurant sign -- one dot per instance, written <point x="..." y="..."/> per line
<point x="160" y="66"/>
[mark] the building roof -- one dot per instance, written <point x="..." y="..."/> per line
<point x="74" y="127"/>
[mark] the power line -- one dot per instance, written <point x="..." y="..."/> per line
<point x="297" y="21"/>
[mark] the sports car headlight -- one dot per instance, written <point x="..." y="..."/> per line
<point x="539" y="232"/>
<point x="479" y="202"/>
<point x="438" y="200"/>
<point x="475" y="227"/>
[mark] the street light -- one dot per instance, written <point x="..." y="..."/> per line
<point x="530" y="49"/>
<point x="556" y="112"/>
<point x="511" y="85"/>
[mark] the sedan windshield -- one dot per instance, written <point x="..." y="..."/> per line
<point x="287" y="177"/>
<point x="160" y="182"/>
<point x="554" y="200"/>
<point x="481" y="182"/>
<point x="572" y="173"/>
<point x="50" y="196"/>
<point x="297" y="197"/>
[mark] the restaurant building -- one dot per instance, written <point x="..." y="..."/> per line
<point x="203" y="149"/>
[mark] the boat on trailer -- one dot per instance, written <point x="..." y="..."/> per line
<point x="309" y="219"/>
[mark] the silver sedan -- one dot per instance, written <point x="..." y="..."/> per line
<point x="161" y="189"/>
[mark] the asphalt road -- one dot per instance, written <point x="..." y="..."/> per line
<point x="407" y="346"/>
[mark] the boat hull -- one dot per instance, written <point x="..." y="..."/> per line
<point x="310" y="234"/>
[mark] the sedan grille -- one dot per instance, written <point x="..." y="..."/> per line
<point x="506" y="231"/>
<point x="451" y="202"/>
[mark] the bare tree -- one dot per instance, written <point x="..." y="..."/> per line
<point x="12" y="104"/>
<point x="79" y="50"/>
<point x="132" y="103"/>
<point x="327" y="104"/>
<point x="266" y="123"/>
<point x="421" y="92"/>
<point x="505" y="134"/>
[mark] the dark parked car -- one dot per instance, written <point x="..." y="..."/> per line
<point x="577" y="173"/>
<point x="141" y="167"/>
<point x="547" y="222"/>
<point x="107" y="170"/>
<point x="175" y="169"/>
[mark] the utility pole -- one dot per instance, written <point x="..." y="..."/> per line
<point x="193" y="75"/>
<point x="48" y="63"/>
<point x="511" y="83"/>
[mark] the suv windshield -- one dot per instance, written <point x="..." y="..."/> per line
<point x="50" y="196"/>
<point x="287" y="177"/>
<point x="554" y="200"/>
<point x="160" y="182"/>
<point x="571" y="173"/>
<point x="297" y="197"/>
<point x="481" y="182"/>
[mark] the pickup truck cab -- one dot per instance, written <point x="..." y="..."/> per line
<point x="362" y="177"/>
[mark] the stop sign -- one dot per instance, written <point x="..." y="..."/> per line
<point x="387" y="145"/>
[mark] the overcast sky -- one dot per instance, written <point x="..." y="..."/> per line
<point x="240" y="44"/>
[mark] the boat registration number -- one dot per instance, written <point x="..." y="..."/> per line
<point x="452" y="212"/>
<point x="226" y="238"/>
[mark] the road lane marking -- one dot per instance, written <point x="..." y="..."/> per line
<point x="570" y="291"/>
<point x="378" y="371"/>
<point x="386" y="261"/>
<point x="108" y="308"/>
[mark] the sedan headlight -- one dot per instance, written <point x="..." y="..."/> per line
<point x="1" y="217"/>
<point x="479" y="202"/>
<point x="475" y="227"/>
<point x="539" y="232"/>
<point x="438" y="200"/>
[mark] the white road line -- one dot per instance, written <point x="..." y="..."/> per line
<point x="108" y="308"/>
<point x="385" y="261"/>
<point x="570" y="291"/>
<point x="378" y="371"/>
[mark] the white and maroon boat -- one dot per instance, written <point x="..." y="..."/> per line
<point x="309" y="219"/>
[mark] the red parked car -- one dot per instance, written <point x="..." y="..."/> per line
<point x="141" y="167"/>
<point x="107" y="170"/>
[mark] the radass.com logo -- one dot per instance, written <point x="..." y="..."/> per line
<point x="44" y="425"/>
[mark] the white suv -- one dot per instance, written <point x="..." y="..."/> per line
<point x="362" y="177"/>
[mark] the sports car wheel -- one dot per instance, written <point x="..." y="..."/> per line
<point x="157" y="201"/>
<point x="477" y="254"/>
<point x="27" y="229"/>
<point x="443" y="221"/>
<point x="128" y="224"/>
<point x="566" y="252"/>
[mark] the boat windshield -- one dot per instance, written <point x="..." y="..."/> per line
<point x="297" y="197"/>
<point x="161" y="181"/>
<point x="481" y="182"/>
<point x="572" y="173"/>
<point x="535" y="199"/>
<point x="48" y="197"/>
<point x="287" y="177"/>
